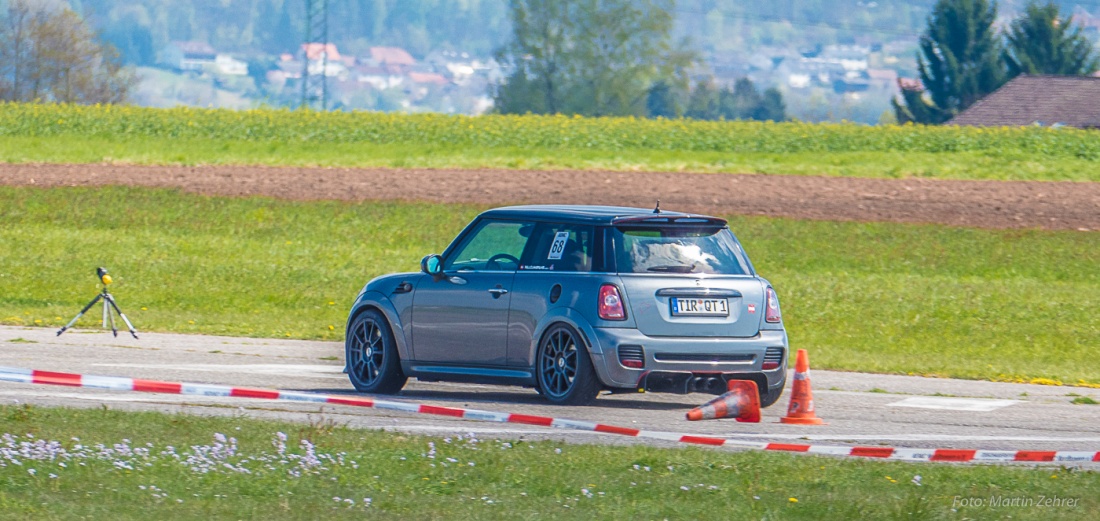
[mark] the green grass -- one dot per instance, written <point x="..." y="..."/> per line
<point x="874" y="297"/>
<point x="75" y="133"/>
<point x="508" y="479"/>
<point x="867" y="164"/>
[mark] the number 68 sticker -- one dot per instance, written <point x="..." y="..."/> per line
<point x="558" y="247"/>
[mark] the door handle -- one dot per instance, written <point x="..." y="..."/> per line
<point x="497" y="292"/>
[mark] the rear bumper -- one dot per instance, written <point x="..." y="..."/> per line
<point x="673" y="364"/>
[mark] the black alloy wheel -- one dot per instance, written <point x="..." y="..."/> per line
<point x="565" y="373"/>
<point x="373" y="365"/>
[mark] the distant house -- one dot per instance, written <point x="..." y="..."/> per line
<point x="883" y="79"/>
<point x="324" y="59"/>
<point x="1072" y="101"/>
<point x="429" y="78"/>
<point x="231" y="66"/>
<point x="289" y="67"/>
<point x="460" y="72"/>
<point x="188" y="56"/>
<point x="391" y="56"/>
<point x="798" y="80"/>
<point x="910" y="84"/>
<point x="317" y="51"/>
<point x="850" y="58"/>
<point x="378" y="77"/>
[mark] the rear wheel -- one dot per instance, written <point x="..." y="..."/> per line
<point x="371" y="354"/>
<point x="565" y="373"/>
<point x="769" y="397"/>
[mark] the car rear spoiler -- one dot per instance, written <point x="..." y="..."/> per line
<point x="660" y="220"/>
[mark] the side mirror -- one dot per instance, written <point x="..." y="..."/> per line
<point x="432" y="265"/>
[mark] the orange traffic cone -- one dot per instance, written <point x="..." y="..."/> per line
<point x="801" y="410"/>
<point x="741" y="402"/>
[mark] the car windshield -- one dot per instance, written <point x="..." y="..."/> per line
<point x="678" y="249"/>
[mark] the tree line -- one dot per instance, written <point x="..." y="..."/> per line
<point x="707" y="101"/>
<point x="614" y="58"/>
<point x="962" y="58"/>
<point x="48" y="53"/>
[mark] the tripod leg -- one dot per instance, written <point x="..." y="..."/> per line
<point x="122" y="315"/>
<point x="110" y="316"/>
<point x="78" y="315"/>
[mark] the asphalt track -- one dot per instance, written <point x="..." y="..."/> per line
<point x="861" y="409"/>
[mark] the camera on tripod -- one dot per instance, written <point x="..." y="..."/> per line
<point x="108" y="305"/>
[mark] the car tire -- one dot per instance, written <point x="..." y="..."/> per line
<point x="371" y="354"/>
<point x="768" y="397"/>
<point x="563" y="368"/>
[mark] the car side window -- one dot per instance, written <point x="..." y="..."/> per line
<point x="559" y="247"/>
<point x="492" y="246"/>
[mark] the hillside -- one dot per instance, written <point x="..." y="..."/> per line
<point x="833" y="59"/>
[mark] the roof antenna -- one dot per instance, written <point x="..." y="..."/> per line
<point x="658" y="208"/>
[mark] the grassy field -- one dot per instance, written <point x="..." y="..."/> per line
<point x="102" y="464"/>
<point x="876" y="164"/>
<point x="1007" y="305"/>
<point x="64" y="133"/>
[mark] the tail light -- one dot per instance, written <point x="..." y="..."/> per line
<point x="611" y="303"/>
<point x="771" y="314"/>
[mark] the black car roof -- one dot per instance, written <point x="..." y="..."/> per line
<point x="588" y="214"/>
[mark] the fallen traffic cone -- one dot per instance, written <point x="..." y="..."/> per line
<point x="741" y="402"/>
<point x="801" y="410"/>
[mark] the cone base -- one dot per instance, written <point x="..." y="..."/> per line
<point x="741" y="402"/>
<point x="802" y="421"/>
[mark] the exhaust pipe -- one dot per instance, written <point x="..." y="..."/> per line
<point x="710" y="385"/>
<point x="714" y="386"/>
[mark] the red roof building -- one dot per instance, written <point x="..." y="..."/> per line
<point x="428" y="77"/>
<point x="1072" y="101"/>
<point x="391" y="56"/>
<point x="313" y="51"/>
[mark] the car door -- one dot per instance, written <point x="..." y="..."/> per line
<point x="555" y="272"/>
<point x="462" y="318"/>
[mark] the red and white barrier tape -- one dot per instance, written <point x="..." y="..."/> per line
<point x="111" y="383"/>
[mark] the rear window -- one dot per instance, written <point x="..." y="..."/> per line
<point x="678" y="249"/>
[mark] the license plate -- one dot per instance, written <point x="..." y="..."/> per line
<point x="712" y="307"/>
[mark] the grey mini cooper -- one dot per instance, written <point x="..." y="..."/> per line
<point x="572" y="300"/>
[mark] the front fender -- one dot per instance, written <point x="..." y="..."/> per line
<point x="371" y="299"/>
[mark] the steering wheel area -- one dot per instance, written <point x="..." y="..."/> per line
<point x="494" y="262"/>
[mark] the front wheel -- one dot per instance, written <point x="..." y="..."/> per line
<point x="565" y="373"/>
<point x="373" y="365"/>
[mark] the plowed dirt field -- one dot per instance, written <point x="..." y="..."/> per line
<point x="983" y="204"/>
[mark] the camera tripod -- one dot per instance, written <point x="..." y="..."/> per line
<point x="108" y="303"/>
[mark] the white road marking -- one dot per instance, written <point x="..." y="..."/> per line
<point x="954" y="404"/>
